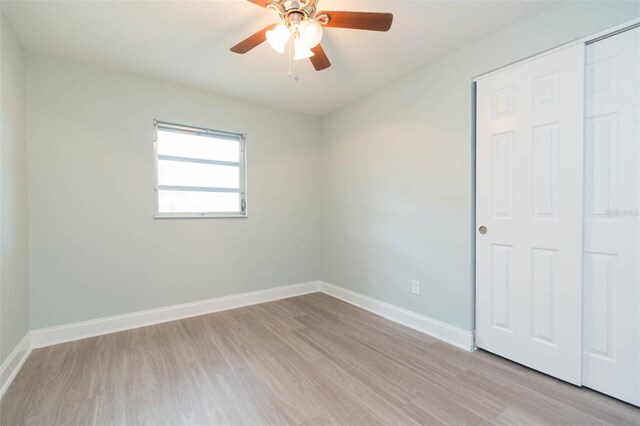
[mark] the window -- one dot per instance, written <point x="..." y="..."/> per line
<point x="199" y="172"/>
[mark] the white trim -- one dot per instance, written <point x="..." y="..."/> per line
<point x="199" y="216"/>
<point x="583" y="40"/>
<point x="447" y="333"/>
<point x="81" y="330"/>
<point x="85" y="329"/>
<point x="14" y="362"/>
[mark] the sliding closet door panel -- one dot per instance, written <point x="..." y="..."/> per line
<point x="611" y="359"/>
<point x="529" y="198"/>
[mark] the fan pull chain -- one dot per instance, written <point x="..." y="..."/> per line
<point x="291" y="64"/>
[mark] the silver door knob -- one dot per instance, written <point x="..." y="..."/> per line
<point x="482" y="229"/>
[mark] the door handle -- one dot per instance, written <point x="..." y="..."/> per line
<point x="482" y="229"/>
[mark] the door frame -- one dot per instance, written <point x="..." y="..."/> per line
<point x="610" y="32"/>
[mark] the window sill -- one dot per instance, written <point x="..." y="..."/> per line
<point x="199" y="216"/>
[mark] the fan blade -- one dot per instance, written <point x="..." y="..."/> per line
<point x="319" y="58"/>
<point x="261" y="3"/>
<point x="252" y="41"/>
<point x="358" y="20"/>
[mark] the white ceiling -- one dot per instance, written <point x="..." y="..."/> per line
<point x="188" y="42"/>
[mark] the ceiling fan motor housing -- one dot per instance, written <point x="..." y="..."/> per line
<point x="294" y="11"/>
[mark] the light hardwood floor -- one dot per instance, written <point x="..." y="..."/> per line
<point x="305" y="360"/>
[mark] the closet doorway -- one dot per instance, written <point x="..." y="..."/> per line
<point x="557" y="200"/>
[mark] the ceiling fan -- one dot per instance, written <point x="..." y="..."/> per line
<point x="302" y="26"/>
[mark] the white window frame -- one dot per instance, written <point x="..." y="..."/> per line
<point x="202" y="131"/>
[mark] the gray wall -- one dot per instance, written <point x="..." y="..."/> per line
<point x="394" y="171"/>
<point x="14" y="293"/>
<point x="95" y="249"/>
<point x="397" y="170"/>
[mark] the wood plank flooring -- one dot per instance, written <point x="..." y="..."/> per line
<point x="306" y="360"/>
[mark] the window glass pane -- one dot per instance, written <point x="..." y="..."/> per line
<point x="181" y="173"/>
<point x="198" y="202"/>
<point x="195" y="146"/>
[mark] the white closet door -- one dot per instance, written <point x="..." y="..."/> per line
<point x="611" y="360"/>
<point x="529" y="197"/>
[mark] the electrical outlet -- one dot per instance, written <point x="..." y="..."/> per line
<point x="415" y="287"/>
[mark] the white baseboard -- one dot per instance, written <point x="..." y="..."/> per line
<point x="447" y="333"/>
<point x="82" y="330"/>
<point x="13" y="363"/>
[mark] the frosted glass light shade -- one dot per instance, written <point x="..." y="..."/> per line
<point x="278" y="38"/>
<point x="301" y="50"/>
<point x="310" y="33"/>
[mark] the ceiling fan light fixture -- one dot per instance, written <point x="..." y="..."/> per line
<point x="310" y="33"/>
<point x="301" y="51"/>
<point x="278" y="37"/>
<point x="301" y="27"/>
